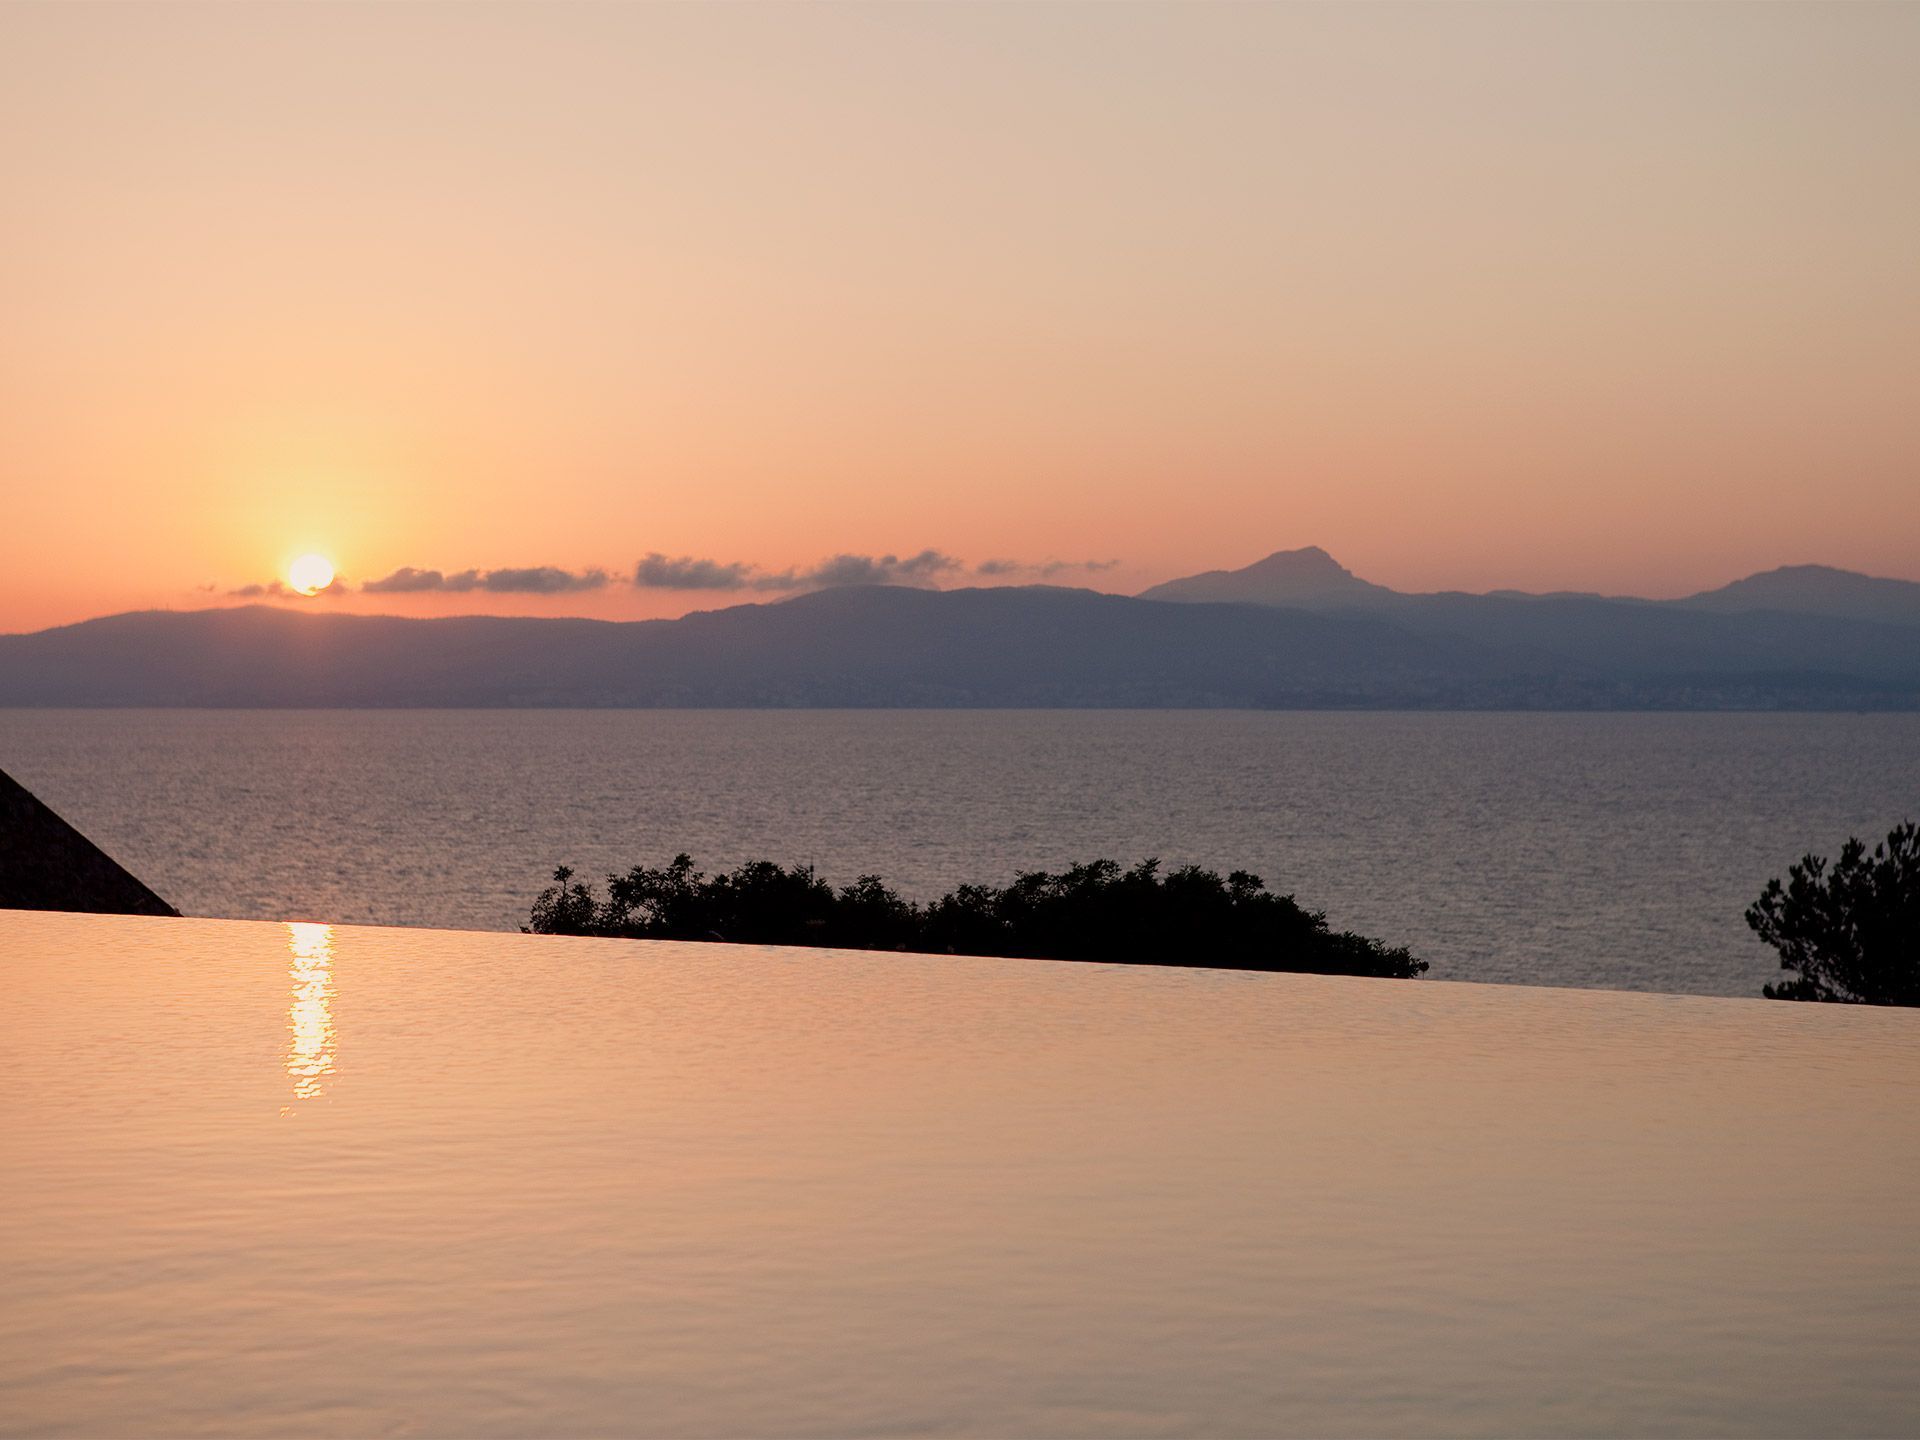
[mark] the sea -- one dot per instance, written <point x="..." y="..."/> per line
<point x="1614" y="851"/>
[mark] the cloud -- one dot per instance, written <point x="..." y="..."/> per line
<point x="531" y="580"/>
<point x="1089" y="567"/>
<point x="1046" y="569"/>
<point x="837" y="570"/>
<point x="928" y="562"/>
<point x="687" y="572"/>
<point x="405" y="581"/>
<point x="280" y="590"/>
<point x="659" y="572"/>
<point x="542" y="580"/>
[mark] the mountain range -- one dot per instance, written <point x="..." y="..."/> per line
<point x="1296" y="630"/>
<point x="1312" y="579"/>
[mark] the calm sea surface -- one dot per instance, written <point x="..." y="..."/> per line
<point x="322" y="1180"/>
<point x="1577" y="850"/>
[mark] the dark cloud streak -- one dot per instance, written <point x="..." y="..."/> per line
<point x="530" y="580"/>
<point x="661" y="572"/>
<point x="840" y="570"/>
<point x="406" y="580"/>
<point x="690" y="573"/>
<point x="280" y="590"/>
<point x="542" y="580"/>
<point x="1045" y="569"/>
<point x="687" y="572"/>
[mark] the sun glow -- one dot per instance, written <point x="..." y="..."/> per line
<point x="310" y="574"/>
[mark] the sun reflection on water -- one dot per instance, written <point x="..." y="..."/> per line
<point x="311" y="1044"/>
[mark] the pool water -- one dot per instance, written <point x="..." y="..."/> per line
<point x="270" y="1179"/>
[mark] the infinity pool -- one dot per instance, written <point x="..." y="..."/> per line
<point x="298" y="1179"/>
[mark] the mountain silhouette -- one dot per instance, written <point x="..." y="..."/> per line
<point x="1312" y="579"/>
<point x="1817" y="590"/>
<point x="1031" y="646"/>
<point x="1309" y="578"/>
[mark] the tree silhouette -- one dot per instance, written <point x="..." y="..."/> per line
<point x="1096" y="911"/>
<point x="1849" y="933"/>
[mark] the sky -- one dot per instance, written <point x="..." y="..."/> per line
<point x="630" y="310"/>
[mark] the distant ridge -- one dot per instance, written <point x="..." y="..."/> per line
<point x="1029" y="647"/>
<point x="46" y="864"/>
<point x="1817" y="590"/>
<point x="1309" y="578"/>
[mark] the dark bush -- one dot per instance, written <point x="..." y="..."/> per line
<point x="1850" y="933"/>
<point x="1096" y="911"/>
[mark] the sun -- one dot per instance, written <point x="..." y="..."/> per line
<point x="310" y="574"/>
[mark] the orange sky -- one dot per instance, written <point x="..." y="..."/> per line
<point x="1620" y="298"/>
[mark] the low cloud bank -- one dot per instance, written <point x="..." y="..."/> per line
<point x="690" y="573"/>
<point x="660" y="572"/>
<point x="921" y="569"/>
<point x="280" y="590"/>
<point x="1045" y="569"/>
<point x="531" y="580"/>
<point x="687" y="572"/>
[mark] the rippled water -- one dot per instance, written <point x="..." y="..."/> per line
<point x="1591" y="850"/>
<point x="299" y="1179"/>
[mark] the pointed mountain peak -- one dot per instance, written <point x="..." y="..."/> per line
<point x="1307" y="560"/>
<point x="1308" y="577"/>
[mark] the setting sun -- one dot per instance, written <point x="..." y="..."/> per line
<point x="310" y="574"/>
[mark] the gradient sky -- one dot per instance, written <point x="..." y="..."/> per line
<point x="1622" y="297"/>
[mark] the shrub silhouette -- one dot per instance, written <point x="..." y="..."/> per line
<point x="1096" y="911"/>
<point x="1850" y="933"/>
